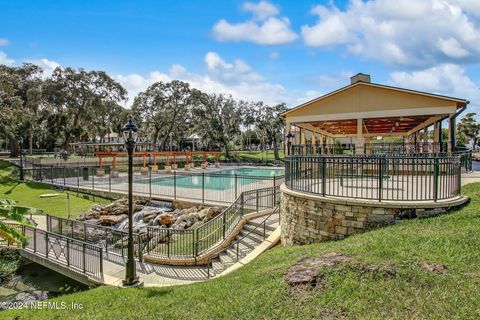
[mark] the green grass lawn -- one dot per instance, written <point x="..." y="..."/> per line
<point x="28" y="194"/>
<point x="258" y="291"/>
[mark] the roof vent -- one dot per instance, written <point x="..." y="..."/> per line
<point x="360" y="77"/>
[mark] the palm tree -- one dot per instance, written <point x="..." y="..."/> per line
<point x="15" y="213"/>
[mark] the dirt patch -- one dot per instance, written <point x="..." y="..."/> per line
<point x="386" y="271"/>
<point x="472" y="274"/>
<point x="303" y="290"/>
<point x="306" y="270"/>
<point x="433" y="267"/>
<point x="331" y="314"/>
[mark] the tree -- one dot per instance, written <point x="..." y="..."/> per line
<point x="80" y="97"/>
<point x="218" y="119"/>
<point x="20" y="101"/>
<point x="164" y="109"/>
<point x="469" y="128"/>
<point x="270" y="124"/>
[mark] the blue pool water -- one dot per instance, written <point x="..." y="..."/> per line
<point x="218" y="180"/>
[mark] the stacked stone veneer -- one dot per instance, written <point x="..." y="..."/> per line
<point x="306" y="218"/>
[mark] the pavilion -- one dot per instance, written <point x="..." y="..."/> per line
<point x="364" y="110"/>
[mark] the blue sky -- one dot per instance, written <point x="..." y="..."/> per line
<point x="257" y="50"/>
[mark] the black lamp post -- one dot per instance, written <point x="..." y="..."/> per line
<point x="289" y="137"/>
<point x="20" y="144"/>
<point x="130" y="134"/>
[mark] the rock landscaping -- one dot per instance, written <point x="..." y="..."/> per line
<point x="147" y="213"/>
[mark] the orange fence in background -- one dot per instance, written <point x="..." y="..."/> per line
<point x="188" y="156"/>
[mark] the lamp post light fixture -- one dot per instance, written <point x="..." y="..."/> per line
<point x="130" y="135"/>
<point x="20" y="144"/>
<point x="289" y="138"/>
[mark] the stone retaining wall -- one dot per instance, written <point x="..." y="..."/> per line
<point x="308" y="218"/>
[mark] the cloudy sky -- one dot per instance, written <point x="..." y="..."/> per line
<point x="275" y="51"/>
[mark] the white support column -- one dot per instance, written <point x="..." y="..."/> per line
<point x="451" y="133"/>
<point x="359" y="138"/>
<point x="302" y="136"/>
<point x="322" y="151"/>
<point x="436" y="132"/>
<point x="314" y="142"/>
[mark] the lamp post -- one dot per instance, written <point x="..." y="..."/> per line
<point x="289" y="137"/>
<point x="20" y="144"/>
<point x="130" y="134"/>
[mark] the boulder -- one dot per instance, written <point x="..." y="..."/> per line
<point x="192" y="219"/>
<point x="176" y="213"/>
<point x="180" y="226"/>
<point x="306" y="270"/>
<point x="165" y="219"/>
<point x="208" y="213"/>
<point x="151" y="215"/>
<point x="93" y="221"/>
<point x="112" y="219"/>
<point x="196" y="225"/>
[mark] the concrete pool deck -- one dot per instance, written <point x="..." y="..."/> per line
<point x="232" y="186"/>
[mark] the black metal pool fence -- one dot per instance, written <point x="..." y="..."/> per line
<point x="205" y="186"/>
<point x="394" y="177"/>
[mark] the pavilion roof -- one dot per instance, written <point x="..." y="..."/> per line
<point x="460" y="102"/>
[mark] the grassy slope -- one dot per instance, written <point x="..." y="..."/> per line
<point x="28" y="194"/>
<point x="257" y="291"/>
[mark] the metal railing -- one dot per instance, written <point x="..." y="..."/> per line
<point x="420" y="149"/>
<point x="236" y="243"/>
<point x="191" y="243"/>
<point x="405" y="147"/>
<point x="322" y="149"/>
<point x="214" y="187"/>
<point x="168" y="242"/>
<point x="399" y="178"/>
<point x="72" y="254"/>
<point x="111" y="240"/>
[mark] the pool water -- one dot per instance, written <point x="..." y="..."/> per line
<point x="218" y="180"/>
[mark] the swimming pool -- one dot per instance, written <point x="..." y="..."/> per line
<point x="217" y="180"/>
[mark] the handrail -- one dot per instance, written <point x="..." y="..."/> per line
<point x="75" y="255"/>
<point x="237" y="242"/>
<point x="213" y="232"/>
<point x="113" y="234"/>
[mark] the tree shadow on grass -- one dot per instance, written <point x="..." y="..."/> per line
<point x="158" y="292"/>
<point x="12" y="188"/>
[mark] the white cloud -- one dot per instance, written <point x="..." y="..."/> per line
<point x="452" y="48"/>
<point x="418" y="33"/>
<point x="264" y="27"/>
<point x="4" y="42"/>
<point x="261" y="10"/>
<point x="4" y="59"/>
<point x="446" y="79"/>
<point x="48" y="66"/>
<point x="235" y="78"/>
